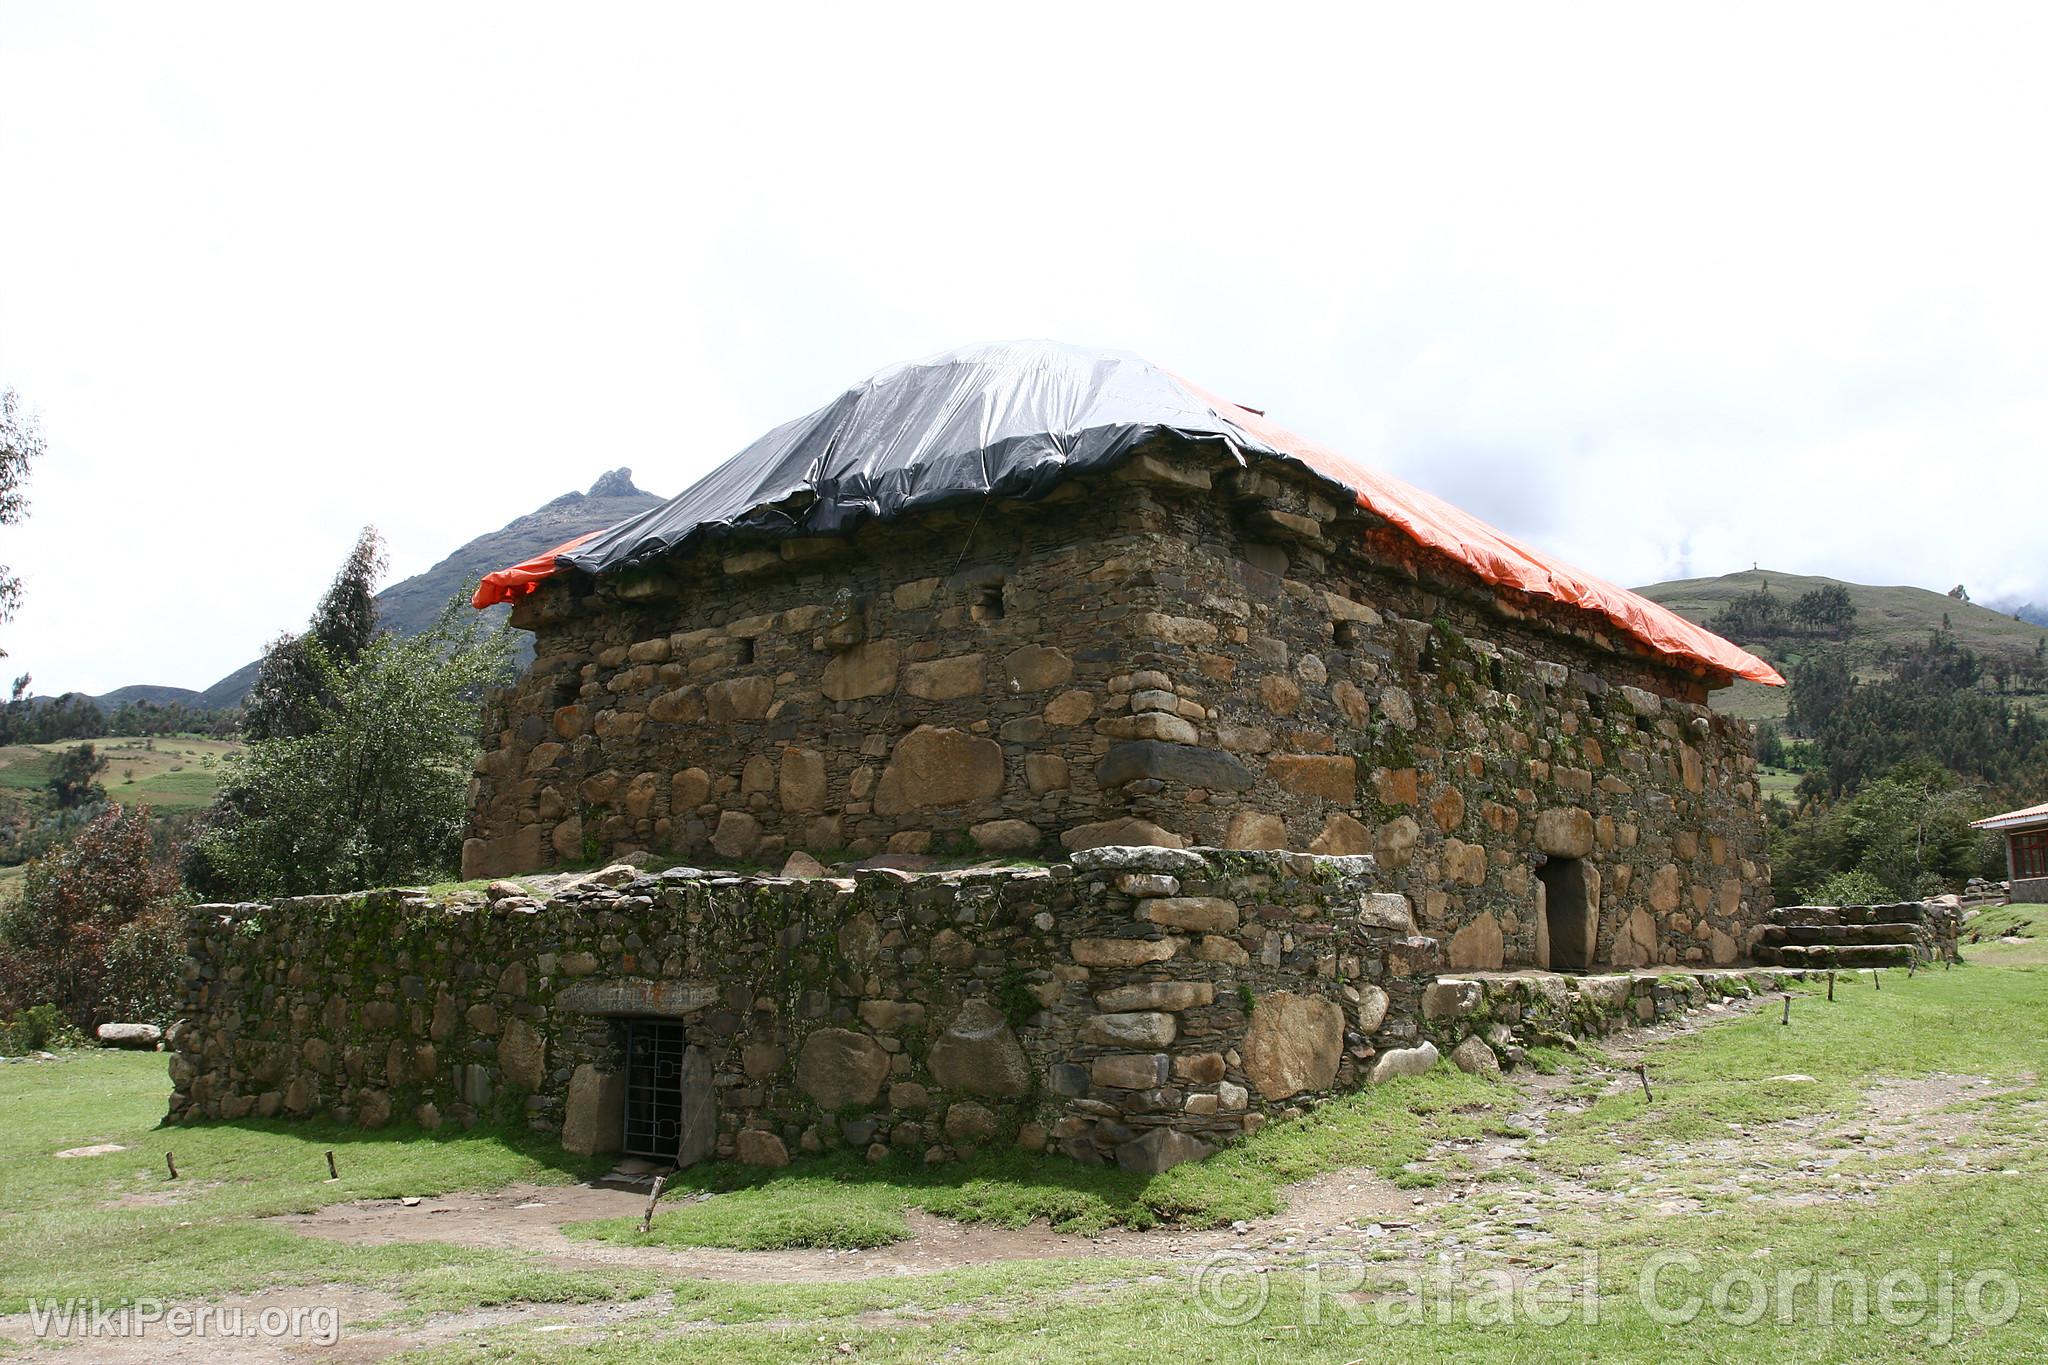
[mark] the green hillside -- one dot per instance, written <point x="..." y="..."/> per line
<point x="1885" y="617"/>
<point x="164" y="771"/>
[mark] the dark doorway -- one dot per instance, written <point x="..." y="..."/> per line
<point x="654" y="1088"/>
<point x="1569" y="916"/>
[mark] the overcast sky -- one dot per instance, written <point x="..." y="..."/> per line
<point x="1664" y="289"/>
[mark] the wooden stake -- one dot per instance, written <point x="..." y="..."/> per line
<point x="653" y="1197"/>
<point x="1643" y="1075"/>
<point x="172" y="1162"/>
<point x="332" y="1172"/>
<point x="1788" y="1009"/>
<point x="1875" y="982"/>
<point x="1831" y="985"/>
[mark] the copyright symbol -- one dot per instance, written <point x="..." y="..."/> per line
<point x="1230" y="1289"/>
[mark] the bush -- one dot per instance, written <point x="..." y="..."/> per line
<point x="1850" y="888"/>
<point x="38" y="1029"/>
<point x="145" y="960"/>
<point x="93" y="932"/>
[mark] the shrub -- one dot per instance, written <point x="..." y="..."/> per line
<point x="108" y="885"/>
<point x="1849" y="888"/>
<point x="38" y="1029"/>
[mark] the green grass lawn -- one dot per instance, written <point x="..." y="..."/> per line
<point x="115" y="1226"/>
<point x="1976" y="1199"/>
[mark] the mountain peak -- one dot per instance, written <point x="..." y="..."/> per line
<point x="617" y="484"/>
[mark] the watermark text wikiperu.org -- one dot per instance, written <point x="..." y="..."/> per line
<point x="152" y="1319"/>
<point x="1235" y="1289"/>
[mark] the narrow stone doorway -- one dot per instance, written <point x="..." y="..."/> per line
<point x="1571" y="915"/>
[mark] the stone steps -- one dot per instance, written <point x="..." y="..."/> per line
<point x="1844" y="935"/>
<point x="1829" y="956"/>
<point x="1899" y="912"/>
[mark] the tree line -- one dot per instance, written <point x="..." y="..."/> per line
<point x="1894" y="771"/>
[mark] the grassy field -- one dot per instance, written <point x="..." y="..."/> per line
<point x="1885" y="617"/>
<point x="160" y="771"/>
<point x="1894" y="1131"/>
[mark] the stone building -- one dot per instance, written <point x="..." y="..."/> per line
<point x="1025" y="600"/>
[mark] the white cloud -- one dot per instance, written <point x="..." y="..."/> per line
<point x="1666" y="290"/>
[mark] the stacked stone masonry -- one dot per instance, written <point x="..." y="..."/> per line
<point x="1828" y="936"/>
<point x="1183" y="653"/>
<point x="1136" y="1005"/>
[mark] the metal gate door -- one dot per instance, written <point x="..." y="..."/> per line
<point x="654" y="1088"/>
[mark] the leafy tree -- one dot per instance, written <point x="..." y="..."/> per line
<point x="376" y="790"/>
<point x="110" y="889"/>
<point x="1768" y="745"/>
<point x="21" y="445"/>
<point x="77" y="779"/>
<point x="1827" y="609"/>
<point x="1908" y="832"/>
<point x="1848" y="888"/>
<point x="288" y="695"/>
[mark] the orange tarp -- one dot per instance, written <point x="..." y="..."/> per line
<point x="509" y="585"/>
<point x="1499" y="559"/>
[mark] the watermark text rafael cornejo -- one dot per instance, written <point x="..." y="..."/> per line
<point x="1672" y="1289"/>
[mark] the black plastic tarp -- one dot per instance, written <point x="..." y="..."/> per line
<point x="1007" y="420"/>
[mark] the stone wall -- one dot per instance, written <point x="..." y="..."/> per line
<point x="1890" y="935"/>
<point x="1182" y="653"/>
<point x="2030" y="890"/>
<point x="1137" y="1005"/>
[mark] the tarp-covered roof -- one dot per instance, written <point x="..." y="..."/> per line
<point x="1012" y="420"/>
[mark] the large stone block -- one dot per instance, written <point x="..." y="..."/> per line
<point x="739" y="698"/>
<point x="592" y="1118"/>
<point x="1124" y="952"/>
<point x="1156" y="995"/>
<point x="1197" y="914"/>
<point x="1148" y="1028"/>
<point x="738" y="834"/>
<point x="1155" y="760"/>
<point x="1005" y="836"/>
<point x="1293" y="1044"/>
<point x="801" y="782"/>
<point x="1252" y="829"/>
<point x="1341" y="836"/>
<point x="979" y="1054"/>
<point x="522" y="1055"/>
<point x="1035" y="668"/>
<point x="939" y="766"/>
<point x="1161" y="1150"/>
<point x="1322" y="776"/>
<point x="865" y="670"/>
<point x="1565" y="832"/>
<point x="962" y="675"/>
<point x="1127" y="832"/>
<point x="837" y="1067"/>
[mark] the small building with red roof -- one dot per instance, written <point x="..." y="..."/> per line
<point x="2026" y="850"/>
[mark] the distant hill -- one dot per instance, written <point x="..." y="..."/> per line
<point x="1885" y="617"/>
<point x="2026" y="611"/>
<point x="411" y="605"/>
